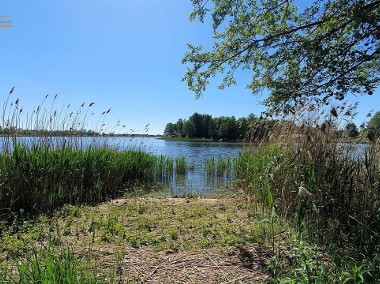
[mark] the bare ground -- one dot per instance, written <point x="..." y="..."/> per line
<point x="243" y="264"/>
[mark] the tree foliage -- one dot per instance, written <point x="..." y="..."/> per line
<point x="302" y="56"/>
<point x="351" y="130"/>
<point x="205" y="126"/>
<point x="373" y="127"/>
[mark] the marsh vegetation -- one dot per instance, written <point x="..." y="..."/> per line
<point x="300" y="209"/>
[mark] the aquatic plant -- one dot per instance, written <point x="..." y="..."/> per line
<point x="220" y="166"/>
<point x="181" y="165"/>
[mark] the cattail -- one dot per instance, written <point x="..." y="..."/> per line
<point x="109" y="110"/>
<point x="83" y="105"/>
<point x="91" y="104"/>
<point x="11" y="91"/>
<point x="21" y="110"/>
<point x="17" y="101"/>
<point x="333" y="112"/>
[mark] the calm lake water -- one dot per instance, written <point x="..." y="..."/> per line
<point x="194" y="181"/>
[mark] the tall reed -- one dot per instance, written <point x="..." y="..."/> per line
<point x="40" y="172"/>
<point x="220" y="166"/>
<point x="181" y="165"/>
<point x="331" y="189"/>
<point x="38" y="178"/>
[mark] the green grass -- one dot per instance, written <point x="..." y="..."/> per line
<point x="48" y="266"/>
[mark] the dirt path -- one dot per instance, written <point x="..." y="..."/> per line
<point x="243" y="264"/>
<point x="203" y="266"/>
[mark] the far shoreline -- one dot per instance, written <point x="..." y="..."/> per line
<point x="198" y="139"/>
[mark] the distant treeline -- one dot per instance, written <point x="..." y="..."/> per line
<point x="31" y="132"/>
<point x="28" y="132"/>
<point x="205" y="126"/>
<point x="255" y="129"/>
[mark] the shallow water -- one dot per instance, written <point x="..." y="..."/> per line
<point x="196" y="180"/>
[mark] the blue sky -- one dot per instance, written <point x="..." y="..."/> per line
<point x="119" y="54"/>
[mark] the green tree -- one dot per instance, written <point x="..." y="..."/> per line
<point x="181" y="127"/>
<point x="170" y="130"/>
<point x="351" y="130"/>
<point x="373" y="127"/>
<point x="227" y="127"/>
<point x="190" y="129"/>
<point x="302" y="56"/>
